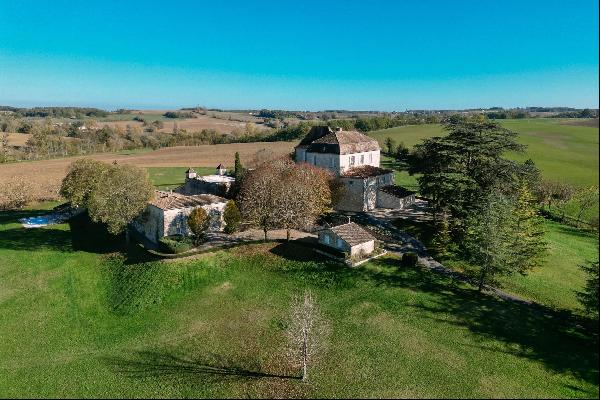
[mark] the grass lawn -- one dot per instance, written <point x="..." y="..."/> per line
<point x="567" y="153"/>
<point x="556" y="283"/>
<point x="167" y="178"/>
<point x="78" y="321"/>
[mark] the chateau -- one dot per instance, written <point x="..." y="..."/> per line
<point x="354" y="158"/>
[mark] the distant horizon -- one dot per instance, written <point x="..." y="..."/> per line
<point x="210" y="107"/>
<point x="313" y="55"/>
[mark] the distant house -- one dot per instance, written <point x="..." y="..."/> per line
<point x="355" y="159"/>
<point x="166" y="214"/>
<point x="349" y="237"/>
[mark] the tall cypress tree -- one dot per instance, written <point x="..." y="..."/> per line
<point x="238" y="168"/>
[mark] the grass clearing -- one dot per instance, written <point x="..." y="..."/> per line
<point x="77" y="321"/>
<point x="554" y="284"/>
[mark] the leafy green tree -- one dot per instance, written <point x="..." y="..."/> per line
<point x="589" y="296"/>
<point x="459" y="170"/>
<point x="489" y="240"/>
<point x="82" y="180"/>
<point x="199" y="222"/>
<point x="528" y="235"/>
<point x="121" y="195"/>
<point x="232" y="217"/>
<point x="401" y="152"/>
<point x="390" y="144"/>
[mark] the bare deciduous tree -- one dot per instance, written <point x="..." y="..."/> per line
<point x="306" y="332"/>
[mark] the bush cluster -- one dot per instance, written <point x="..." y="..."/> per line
<point x="175" y="244"/>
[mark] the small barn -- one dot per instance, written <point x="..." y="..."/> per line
<point x="349" y="237"/>
<point x="166" y="214"/>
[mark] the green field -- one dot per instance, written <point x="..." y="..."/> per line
<point x="556" y="282"/>
<point x="130" y="117"/>
<point x="76" y="321"/>
<point x="566" y="153"/>
<point x="168" y="178"/>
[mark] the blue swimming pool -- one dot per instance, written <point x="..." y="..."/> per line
<point x="41" y="220"/>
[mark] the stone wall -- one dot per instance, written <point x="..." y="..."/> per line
<point x="175" y="221"/>
<point x="354" y="196"/>
<point x="150" y="223"/>
<point x="338" y="163"/>
<point x="386" y="200"/>
<point x="198" y="186"/>
<point x="156" y="223"/>
<point x="363" y="248"/>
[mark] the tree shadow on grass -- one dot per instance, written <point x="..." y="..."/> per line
<point x="83" y="235"/>
<point x="562" y="341"/>
<point x="169" y="365"/>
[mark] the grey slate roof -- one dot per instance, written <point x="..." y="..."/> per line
<point x="173" y="201"/>
<point x="352" y="233"/>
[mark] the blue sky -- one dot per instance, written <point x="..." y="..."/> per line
<point x="309" y="55"/>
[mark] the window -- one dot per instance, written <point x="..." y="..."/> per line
<point x="340" y="243"/>
<point x="352" y="160"/>
<point x="332" y="162"/>
<point x="370" y="158"/>
<point x="326" y="238"/>
<point x="362" y="158"/>
<point x="315" y="160"/>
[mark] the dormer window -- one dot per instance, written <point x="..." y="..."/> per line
<point x="352" y="161"/>
<point x="362" y="159"/>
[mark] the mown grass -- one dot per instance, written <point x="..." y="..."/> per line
<point x="554" y="284"/>
<point x="565" y="153"/>
<point x="78" y="320"/>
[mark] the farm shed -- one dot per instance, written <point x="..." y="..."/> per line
<point x="349" y="237"/>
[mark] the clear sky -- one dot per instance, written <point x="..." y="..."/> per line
<point x="307" y="55"/>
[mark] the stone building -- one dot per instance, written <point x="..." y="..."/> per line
<point x="166" y="214"/>
<point x="348" y="238"/>
<point x="355" y="159"/>
<point x="218" y="184"/>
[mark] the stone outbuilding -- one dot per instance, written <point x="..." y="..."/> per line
<point x="350" y="238"/>
<point x="166" y="214"/>
<point x="218" y="184"/>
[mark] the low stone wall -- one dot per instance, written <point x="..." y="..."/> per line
<point x="386" y="200"/>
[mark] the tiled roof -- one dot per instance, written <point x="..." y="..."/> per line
<point x="344" y="142"/>
<point x="365" y="171"/>
<point x="352" y="233"/>
<point x="397" y="191"/>
<point x="173" y="201"/>
<point x="321" y="139"/>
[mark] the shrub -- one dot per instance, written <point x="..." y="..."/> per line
<point x="198" y="221"/>
<point x="232" y="217"/>
<point x="410" y="259"/>
<point x="15" y="193"/>
<point x="175" y="244"/>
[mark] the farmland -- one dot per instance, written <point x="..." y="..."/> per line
<point x="77" y="321"/>
<point x="223" y="122"/>
<point x="562" y="150"/>
<point x="47" y="174"/>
